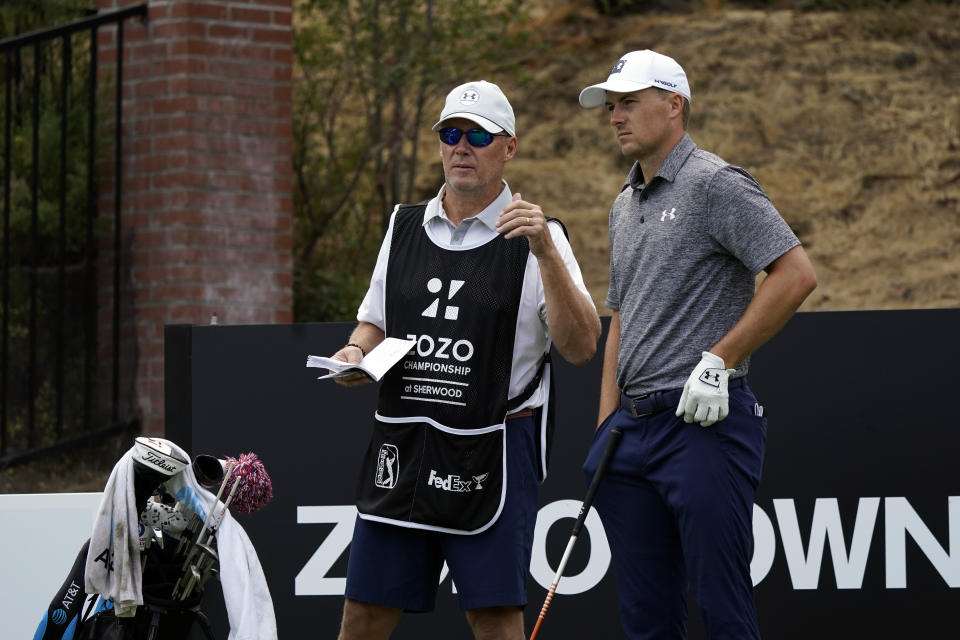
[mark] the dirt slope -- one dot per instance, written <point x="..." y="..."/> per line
<point x="850" y="121"/>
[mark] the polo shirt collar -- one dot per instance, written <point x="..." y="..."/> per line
<point x="671" y="164"/>
<point x="488" y="216"/>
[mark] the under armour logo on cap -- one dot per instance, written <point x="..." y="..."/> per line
<point x="617" y="68"/>
<point x="481" y="102"/>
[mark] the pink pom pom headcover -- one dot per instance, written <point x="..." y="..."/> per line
<point x="254" y="487"/>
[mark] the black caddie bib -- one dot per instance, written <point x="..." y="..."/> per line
<point x="436" y="459"/>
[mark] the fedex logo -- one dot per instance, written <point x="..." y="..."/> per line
<point x="450" y="483"/>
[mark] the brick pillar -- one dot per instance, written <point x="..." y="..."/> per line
<point x="207" y="182"/>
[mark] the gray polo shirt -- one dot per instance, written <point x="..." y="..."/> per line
<point x="684" y="250"/>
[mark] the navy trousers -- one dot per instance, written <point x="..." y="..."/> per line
<point x="676" y="504"/>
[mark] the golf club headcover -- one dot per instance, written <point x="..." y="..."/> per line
<point x="254" y="487"/>
<point x="169" y="519"/>
<point x="209" y="471"/>
<point x="154" y="460"/>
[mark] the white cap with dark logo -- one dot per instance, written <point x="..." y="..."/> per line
<point x="635" y="71"/>
<point x="481" y="102"/>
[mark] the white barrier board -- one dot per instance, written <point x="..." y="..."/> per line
<point x="40" y="536"/>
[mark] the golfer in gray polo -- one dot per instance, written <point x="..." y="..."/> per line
<point x="688" y="235"/>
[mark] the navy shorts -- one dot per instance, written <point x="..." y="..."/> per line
<point x="676" y="504"/>
<point x="400" y="567"/>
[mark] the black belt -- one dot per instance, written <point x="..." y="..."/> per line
<point x="657" y="401"/>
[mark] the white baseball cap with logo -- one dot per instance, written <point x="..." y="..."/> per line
<point x="481" y="102"/>
<point x="635" y="71"/>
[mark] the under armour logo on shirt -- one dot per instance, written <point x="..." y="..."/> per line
<point x="666" y="213"/>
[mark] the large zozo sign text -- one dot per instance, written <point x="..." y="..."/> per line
<point x="900" y="520"/>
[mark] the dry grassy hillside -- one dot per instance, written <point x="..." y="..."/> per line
<point x="850" y="121"/>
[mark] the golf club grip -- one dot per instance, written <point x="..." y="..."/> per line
<point x="613" y="439"/>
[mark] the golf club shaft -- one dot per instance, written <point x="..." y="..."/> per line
<point x="553" y="586"/>
<point x="613" y="439"/>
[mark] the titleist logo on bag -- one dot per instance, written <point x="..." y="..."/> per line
<point x="158" y="454"/>
<point x="158" y="461"/>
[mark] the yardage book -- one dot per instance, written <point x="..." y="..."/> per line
<point x="374" y="364"/>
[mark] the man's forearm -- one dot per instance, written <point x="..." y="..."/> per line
<point x="609" y="393"/>
<point x="363" y="339"/>
<point x="367" y="336"/>
<point x="573" y="321"/>
<point x="789" y="281"/>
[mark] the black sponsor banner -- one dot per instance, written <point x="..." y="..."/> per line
<point x="857" y="521"/>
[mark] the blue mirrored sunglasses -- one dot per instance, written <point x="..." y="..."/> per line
<point x="476" y="137"/>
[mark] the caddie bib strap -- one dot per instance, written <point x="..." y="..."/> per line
<point x="436" y="457"/>
<point x="545" y="419"/>
<point x="531" y="387"/>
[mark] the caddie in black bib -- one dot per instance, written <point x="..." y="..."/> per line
<point x="436" y="459"/>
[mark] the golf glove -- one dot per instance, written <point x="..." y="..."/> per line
<point x="705" y="398"/>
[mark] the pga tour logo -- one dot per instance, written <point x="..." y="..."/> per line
<point x="388" y="466"/>
<point x="455" y="483"/>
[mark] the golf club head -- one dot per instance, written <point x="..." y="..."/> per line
<point x="208" y="551"/>
<point x="192" y="581"/>
<point x="209" y="573"/>
<point x="158" y="535"/>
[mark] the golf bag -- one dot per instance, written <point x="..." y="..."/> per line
<point x="161" y="617"/>
<point x="177" y="553"/>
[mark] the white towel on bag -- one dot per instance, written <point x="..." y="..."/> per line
<point x="113" y="559"/>
<point x="245" y="592"/>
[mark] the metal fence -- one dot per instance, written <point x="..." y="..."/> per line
<point x="55" y="387"/>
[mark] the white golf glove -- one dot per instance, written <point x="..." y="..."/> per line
<point x="705" y="398"/>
